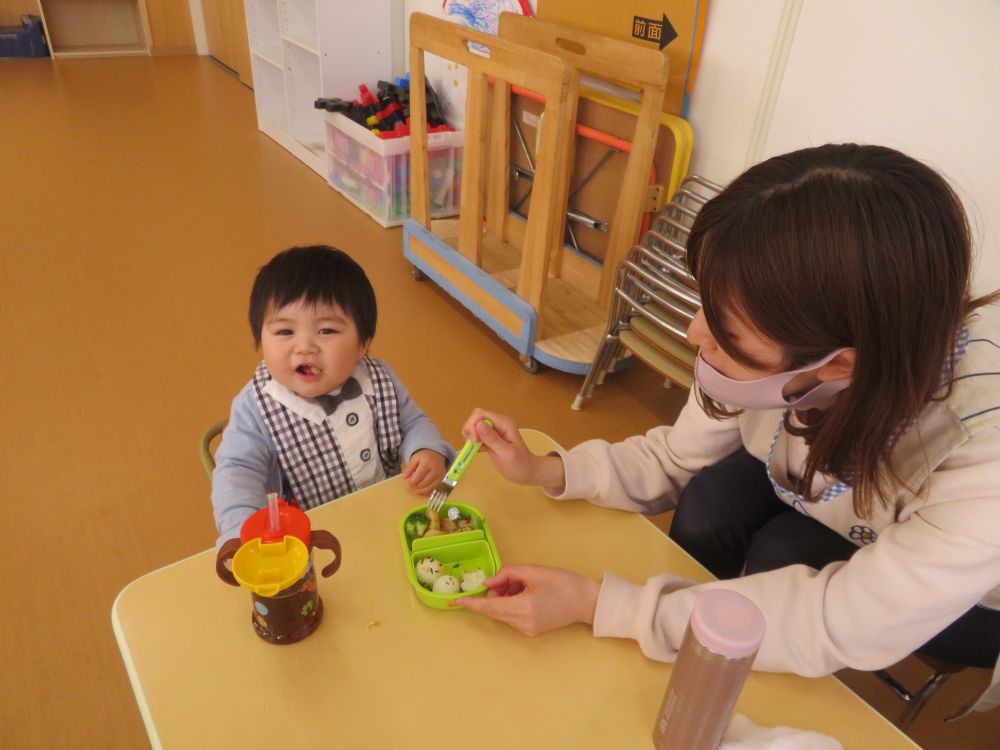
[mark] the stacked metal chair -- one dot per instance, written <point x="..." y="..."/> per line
<point x="655" y="297"/>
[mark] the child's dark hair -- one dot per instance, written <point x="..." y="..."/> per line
<point x="843" y="246"/>
<point x="318" y="274"/>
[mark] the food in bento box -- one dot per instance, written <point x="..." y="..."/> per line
<point x="428" y="571"/>
<point x="428" y="523"/>
<point x="416" y="525"/>
<point x="434" y="520"/>
<point x="446" y="585"/>
<point x="463" y="523"/>
<point x="473" y="580"/>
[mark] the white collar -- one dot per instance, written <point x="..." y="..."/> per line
<point x="307" y="408"/>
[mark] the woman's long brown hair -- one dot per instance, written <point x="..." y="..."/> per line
<point x="843" y="246"/>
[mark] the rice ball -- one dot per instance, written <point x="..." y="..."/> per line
<point x="473" y="580"/>
<point x="428" y="571"/>
<point x="446" y="585"/>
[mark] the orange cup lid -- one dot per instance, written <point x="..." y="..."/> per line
<point x="293" y="522"/>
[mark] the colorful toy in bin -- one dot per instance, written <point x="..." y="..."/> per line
<point x="466" y="554"/>
<point x="388" y="116"/>
<point x="273" y="559"/>
<point x="373" y="172"/>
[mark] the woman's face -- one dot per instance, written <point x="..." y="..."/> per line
<point x="768" y="355"/>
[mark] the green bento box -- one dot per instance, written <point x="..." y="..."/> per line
<point x="458" y="552"/>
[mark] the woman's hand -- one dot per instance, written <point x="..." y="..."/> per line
<point x="536" y="599"/>
<point x="510" y="455"/>
<point x="424" y="471"/>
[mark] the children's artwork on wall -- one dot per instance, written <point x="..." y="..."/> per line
<point x="482" y="15"/>
<point x="448" y="78"/>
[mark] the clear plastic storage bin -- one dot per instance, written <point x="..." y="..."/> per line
<point x="374" y="173"/>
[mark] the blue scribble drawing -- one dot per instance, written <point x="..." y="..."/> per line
<point x="449" y="78"/>
<point x="481" y="15"/>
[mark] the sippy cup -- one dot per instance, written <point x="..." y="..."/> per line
<point x="273" y="558"/>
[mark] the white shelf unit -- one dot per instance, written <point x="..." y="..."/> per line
<point x="269" y="83"/>
<point x="300" y="23"/>
<point x="92" y="28"/>
<point x="302" y="87"/>
<point x="305" y="49"/>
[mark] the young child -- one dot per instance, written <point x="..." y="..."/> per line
<point x="320" y="418"/>
<point x="842" y="447"/>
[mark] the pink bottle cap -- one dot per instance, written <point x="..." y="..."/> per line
<point x="727" y="623"/>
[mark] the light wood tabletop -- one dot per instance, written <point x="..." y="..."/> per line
<point x="385" y="671"/>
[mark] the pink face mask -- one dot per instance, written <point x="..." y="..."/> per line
<point x="766" y="392"/>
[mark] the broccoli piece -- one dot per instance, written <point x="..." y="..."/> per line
<point x="416" y="525"/>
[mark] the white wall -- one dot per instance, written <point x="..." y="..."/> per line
<point x="731" y="76"/>
<point x="918" y="75"/>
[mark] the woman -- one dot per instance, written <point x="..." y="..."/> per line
<point x="841" y="450"/>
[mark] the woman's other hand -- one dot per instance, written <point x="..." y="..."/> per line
<point x="536" y="599"/>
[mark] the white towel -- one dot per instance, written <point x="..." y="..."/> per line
<point x="743" y="734"/>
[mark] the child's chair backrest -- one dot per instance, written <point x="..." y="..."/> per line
<point x="205" y="450"/>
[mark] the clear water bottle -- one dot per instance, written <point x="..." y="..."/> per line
<point x="720" y="643"/>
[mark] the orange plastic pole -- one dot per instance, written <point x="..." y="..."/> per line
<point x="591" y="134"/>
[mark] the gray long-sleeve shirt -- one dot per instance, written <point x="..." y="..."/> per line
<point x="247" y="467"/>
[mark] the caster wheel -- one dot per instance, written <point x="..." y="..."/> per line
<point x="418" y="274"/>
<point x="530" y="364"/>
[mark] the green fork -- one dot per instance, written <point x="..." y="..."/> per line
<point x="438" y="497"/>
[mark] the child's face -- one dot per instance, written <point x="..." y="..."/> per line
<point x="299" y="339"/>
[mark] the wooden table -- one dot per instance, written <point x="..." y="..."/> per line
<point x="384" y="671"/>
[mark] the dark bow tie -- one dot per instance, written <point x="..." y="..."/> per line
<point x="349" y="391"/>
